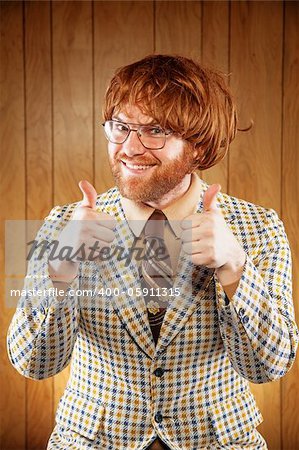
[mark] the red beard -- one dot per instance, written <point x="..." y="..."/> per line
<point x="152" y="186"/>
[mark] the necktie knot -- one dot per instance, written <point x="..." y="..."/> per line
<point x="154" y="227"/>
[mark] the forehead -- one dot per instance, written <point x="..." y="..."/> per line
<point x="133" y="114"/>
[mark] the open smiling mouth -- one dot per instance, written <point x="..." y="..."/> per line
<point x="137" y="168"/>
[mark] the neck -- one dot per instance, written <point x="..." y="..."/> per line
<point x="172" y="195"/>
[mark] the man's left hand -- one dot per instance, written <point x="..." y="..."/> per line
<point x="209" y="241"/>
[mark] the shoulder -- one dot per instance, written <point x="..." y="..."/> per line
<point x="240" y="207"/>
<point x="249" y="216"/>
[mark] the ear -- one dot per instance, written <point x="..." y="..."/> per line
<point x="196" y="153"/>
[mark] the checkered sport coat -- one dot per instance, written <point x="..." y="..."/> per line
<point x="192" y="388"/>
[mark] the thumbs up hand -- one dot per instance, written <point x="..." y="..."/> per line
<point x="91" y="225"/>
<point x="89" y="194"/>
<point x="209" y="241"/>
<point x="85" y="234"/>
<point x="88" y="225"/>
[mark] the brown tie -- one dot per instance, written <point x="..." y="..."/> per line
<point x="156" y="271"/>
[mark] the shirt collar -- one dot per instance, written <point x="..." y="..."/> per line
<point x="137" y="213"/>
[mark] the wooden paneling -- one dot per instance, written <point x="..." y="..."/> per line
<point x="72" y="97"/>
<point x="256" y="80"/>
<point x="178" y="28"/>
<point x="290" y="209"/>
<point x="38" y="70"/>
<point x="255" y="157"/>
<point x="56" y="60"/>
<point x="12" y="194"/>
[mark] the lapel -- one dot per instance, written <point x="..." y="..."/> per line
<point x="190" y="280"/>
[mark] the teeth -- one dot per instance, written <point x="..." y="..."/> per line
<point x="133" y="166"/>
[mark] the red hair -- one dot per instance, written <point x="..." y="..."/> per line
<point x="181" y="95"/>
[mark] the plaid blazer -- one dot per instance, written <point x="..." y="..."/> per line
<point x="192" y="388"/>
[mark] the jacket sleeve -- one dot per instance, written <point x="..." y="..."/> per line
<point x="257" y="324"/>
<point x="43" y="330"/>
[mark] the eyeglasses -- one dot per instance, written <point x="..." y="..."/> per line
<point x="152" y="137"/>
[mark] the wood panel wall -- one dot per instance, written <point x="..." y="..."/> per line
<point x="56" y="59"/>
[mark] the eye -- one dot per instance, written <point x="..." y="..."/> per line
<point x="154" y="131"/>
<point x="118" y="126"/>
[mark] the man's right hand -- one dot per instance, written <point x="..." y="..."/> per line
<point x="88" y="229"/>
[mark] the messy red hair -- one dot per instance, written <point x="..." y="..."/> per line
<point x="181" y="95"/>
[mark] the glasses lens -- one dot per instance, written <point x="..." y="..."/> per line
<point x="152" y="136"/>
<point x="116" y="132"/>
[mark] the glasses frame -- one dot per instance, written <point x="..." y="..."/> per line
<point x="139" y="134"/>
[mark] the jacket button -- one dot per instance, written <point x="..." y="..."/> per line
<point x="245" y="319"/>
<point x="159" y="372"/>
<point x="158" y="417"/>
<point x="241" y="312"/>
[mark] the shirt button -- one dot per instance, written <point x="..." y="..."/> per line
<point x="159" y="372"/>
<point x="158" y="417"/>
<point x="245" y="319"/>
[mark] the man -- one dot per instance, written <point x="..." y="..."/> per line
<point x="155" y="371"/>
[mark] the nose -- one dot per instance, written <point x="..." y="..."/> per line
<point x="132" y="146"/>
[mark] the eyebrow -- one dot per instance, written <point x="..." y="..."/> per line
<point x="134" y="123"/>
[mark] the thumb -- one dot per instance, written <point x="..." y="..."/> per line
<point x="209" y="197"/>
<point x="89" y="194"/>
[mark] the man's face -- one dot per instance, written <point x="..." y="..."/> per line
<point x="165" y="168"/>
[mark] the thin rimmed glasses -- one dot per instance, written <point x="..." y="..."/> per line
<point x="152" y="137"/>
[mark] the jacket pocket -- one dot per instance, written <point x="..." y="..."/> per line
<point x="234" y="417"/>
<point x="79" y="414"/>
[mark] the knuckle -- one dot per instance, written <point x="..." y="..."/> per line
<point x="212" y="256"/>
<point x="209" y="232"/>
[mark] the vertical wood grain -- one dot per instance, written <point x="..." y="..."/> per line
<point x="255" y="156"/>
<point x="290" y="209"/>
<point x="38" y="109"/>
<point x="39" y="405"/>
<point x="123" y="33"/>
<point x="256" y="58"/>
<point x="72" y="97"/>
<point x="12" y="194"/>
<point x="72" y="110"/>
<point x="215" y="53"/>
<point x="178" y="28"/>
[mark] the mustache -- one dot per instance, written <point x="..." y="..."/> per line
<point x="136" y="161"/>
